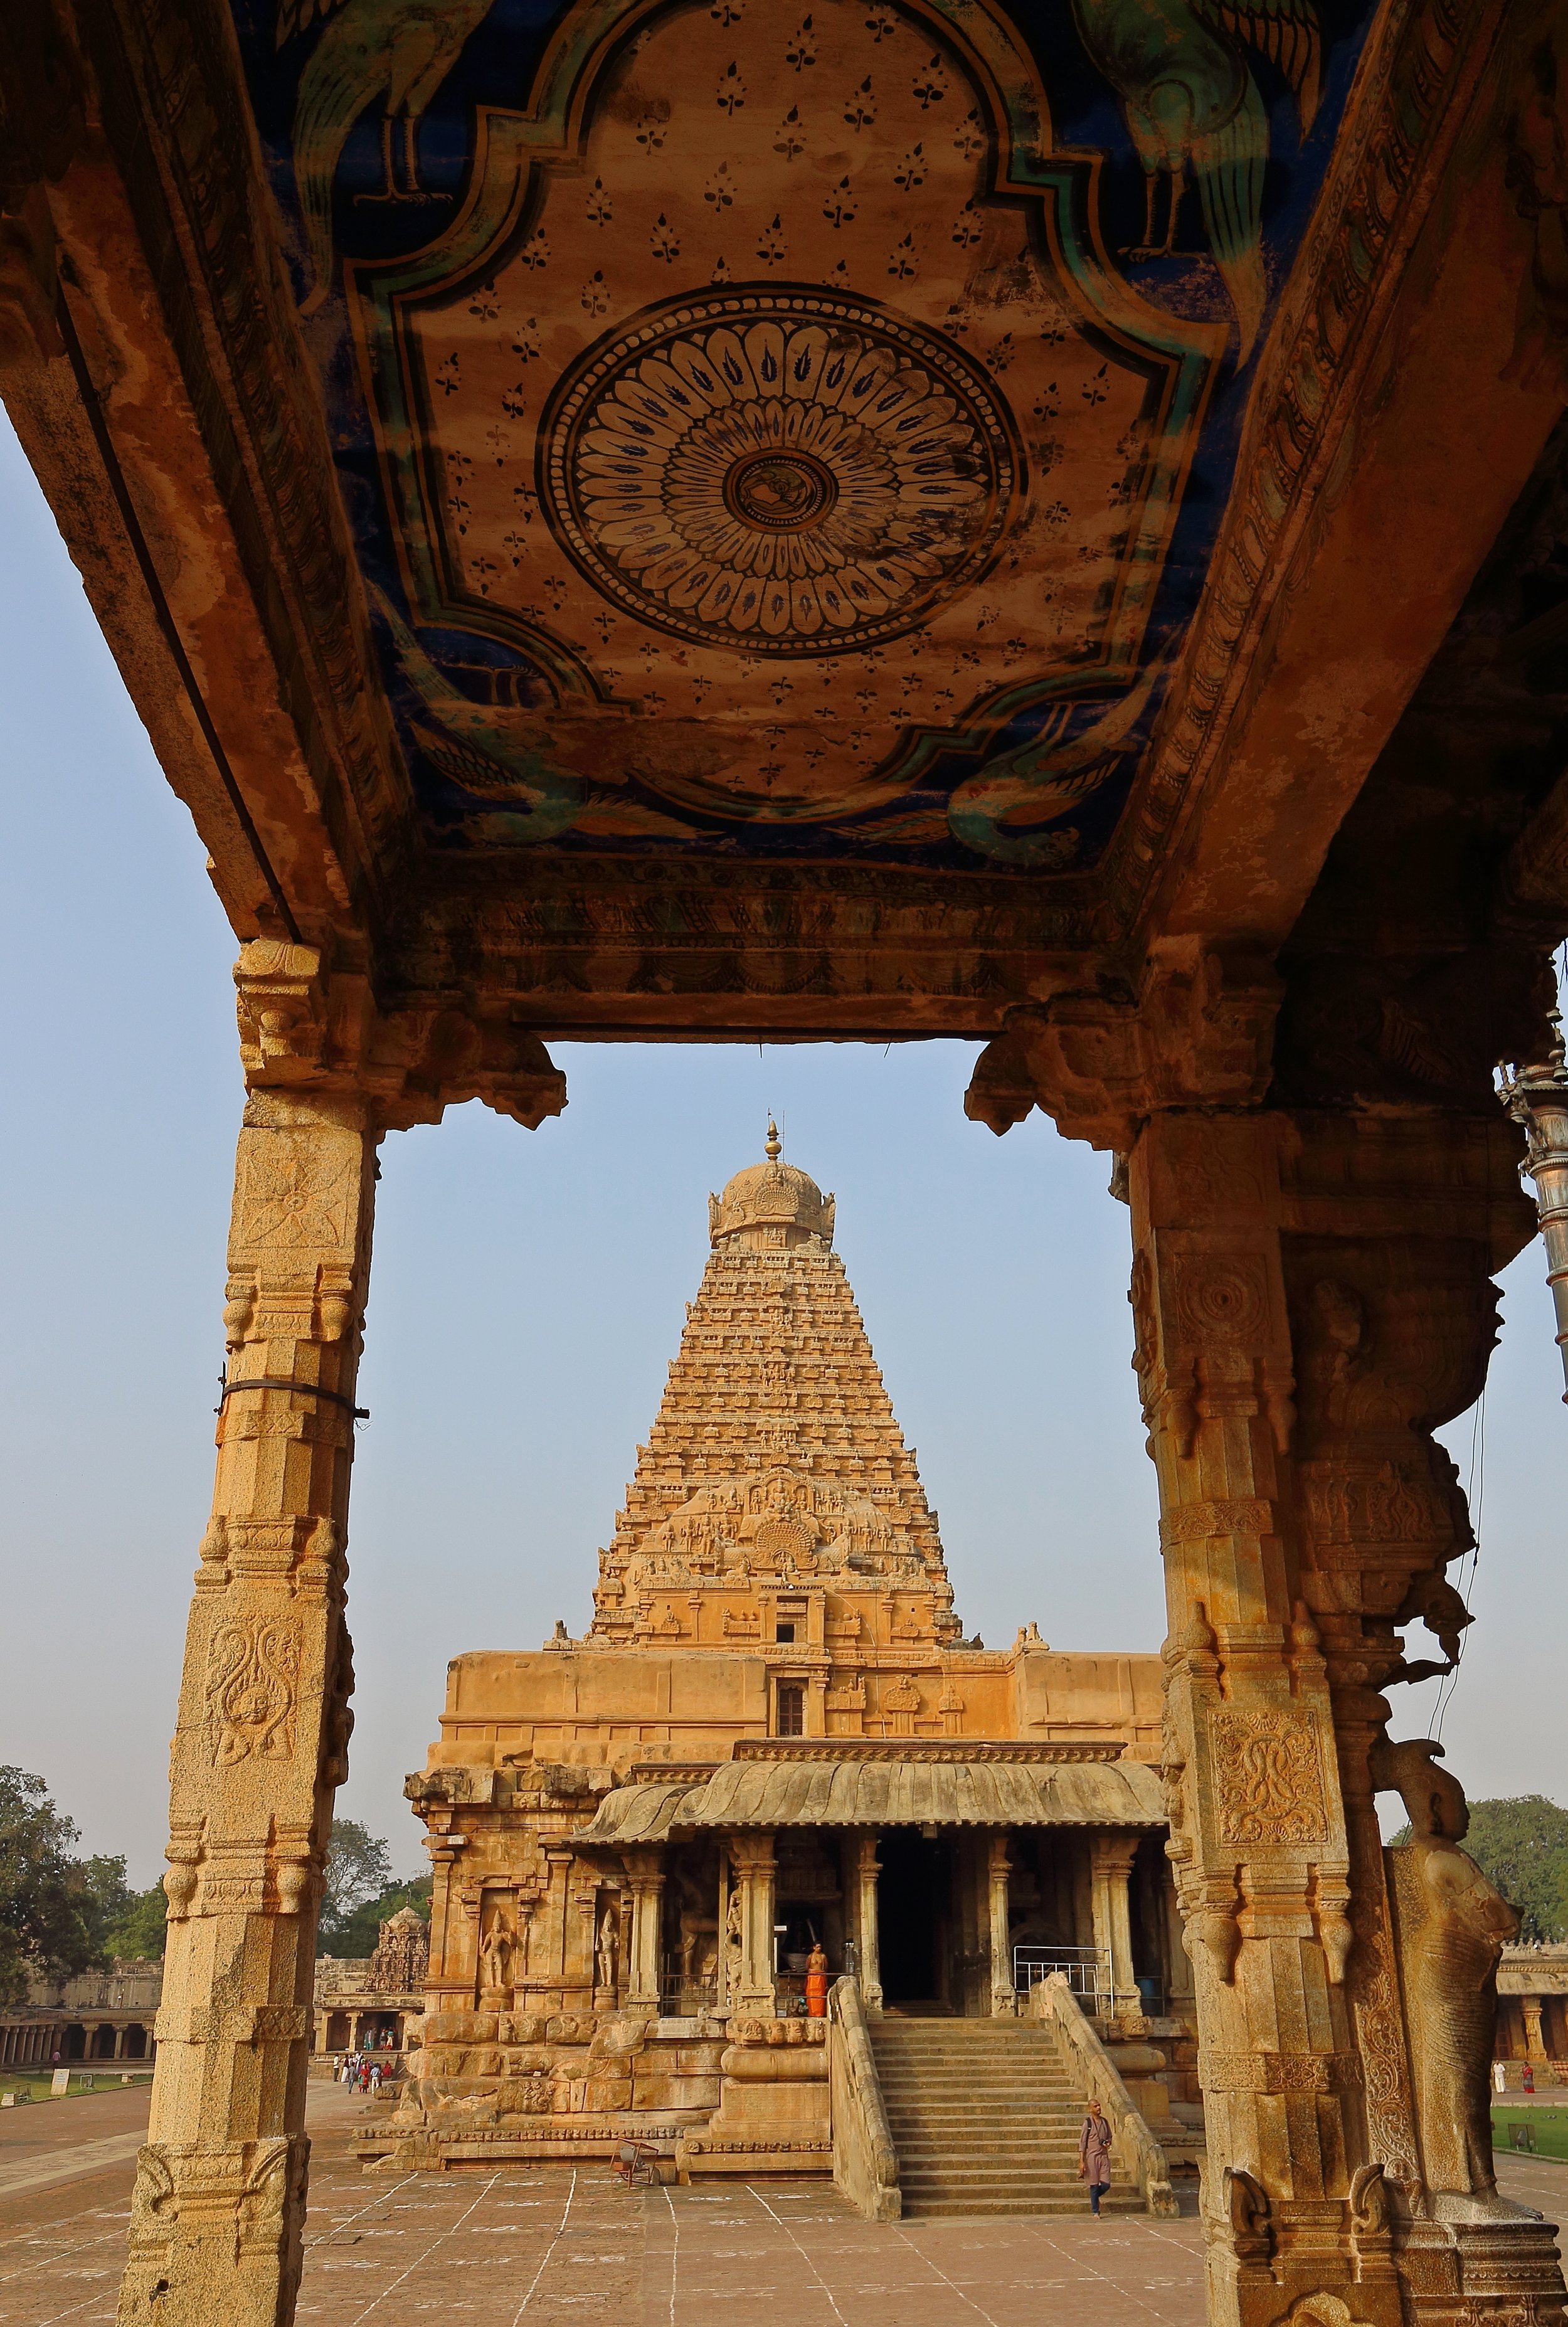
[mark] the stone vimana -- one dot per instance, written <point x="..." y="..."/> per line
<point x="695" y="521"/>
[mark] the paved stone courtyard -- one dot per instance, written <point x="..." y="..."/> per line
<point x="553" y="2246"/>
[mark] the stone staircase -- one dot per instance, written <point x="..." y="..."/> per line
<point x="984" y="2118"/>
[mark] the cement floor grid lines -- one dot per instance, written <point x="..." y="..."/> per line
<point x="558" y="2246"/>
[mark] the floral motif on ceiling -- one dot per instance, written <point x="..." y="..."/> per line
<point x="755" y="440"/>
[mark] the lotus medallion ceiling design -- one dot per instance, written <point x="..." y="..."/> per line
<point x="756" y="437"/>
<point x="780" y="475"/>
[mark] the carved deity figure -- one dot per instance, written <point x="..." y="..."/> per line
<point x="496" y="1949"/>
<point x="734" y="1949"/>
<point x="1454" y="1925"/>
<point x="606" y="1951"/>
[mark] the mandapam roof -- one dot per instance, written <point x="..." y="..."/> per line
<point x="904" y="1783"/>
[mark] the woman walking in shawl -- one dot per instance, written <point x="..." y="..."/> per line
<point x="1094" y="2155"/>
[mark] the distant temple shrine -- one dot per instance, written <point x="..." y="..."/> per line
<point x="773" y="1738"/>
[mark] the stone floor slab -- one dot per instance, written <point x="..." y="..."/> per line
<point x="564" y="2247"/>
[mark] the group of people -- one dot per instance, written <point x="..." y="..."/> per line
<point x="359" y="2071"/>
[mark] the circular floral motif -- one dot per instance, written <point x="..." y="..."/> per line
<point x="783" y="475"/>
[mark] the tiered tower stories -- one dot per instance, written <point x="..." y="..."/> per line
<point x="777" y="1570"/>
<point x="776" y="1502"/>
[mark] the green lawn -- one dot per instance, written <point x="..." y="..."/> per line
<point x="1538" y="2132"/>
<point x="102" y="2076"/>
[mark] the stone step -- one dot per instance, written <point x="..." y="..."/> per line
<point x="985" y="2119"/>
<point x="975" y="2115"/>
<point x="998" y="2209"/>
<point x="971" y="2090"/>
<point x="983" y="2183"/>
<point x="962" y="2035"/>
<point x="1008" y="2080"/>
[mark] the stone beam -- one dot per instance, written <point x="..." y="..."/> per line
<point x="1422" y="342"/>
<point x="157" y="380"/>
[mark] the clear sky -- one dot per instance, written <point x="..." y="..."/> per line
<point x="527" y="1299"/>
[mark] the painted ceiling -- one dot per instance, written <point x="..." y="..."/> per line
<point x="791" y="432"/>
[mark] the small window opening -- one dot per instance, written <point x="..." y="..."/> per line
<point x="791" y="1708"/>
<point x="784" y="1631"/>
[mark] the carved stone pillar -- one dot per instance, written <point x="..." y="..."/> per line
<point x="867" y="1867"/>
<point x="645" y="1881"/>
<point x="262" y="1735"/>
<point x="1535" y="2042"/>
<point x="554" y="1914"/>
<point x="261" y="1741"/>
<point x="751" y="1857"/>
<point x="1111" y="1857"/>
<point x="998" y="1868"/>
<point x="1311" y="1297"/>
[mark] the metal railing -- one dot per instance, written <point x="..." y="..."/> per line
<point x="1087" y="1971"/>
<point x="684" y="1996"/>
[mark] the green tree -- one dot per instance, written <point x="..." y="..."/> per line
<point x="356" y="1934"/>
<point x="51" y="1911"/>
<point x="1521" y="1843"/>
<point x="140" y="1929"/>
<point x="358" y="1869"/>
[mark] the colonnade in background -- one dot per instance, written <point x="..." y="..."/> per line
<point x="747" y="1920"/>
<point x="28" y="2043"/>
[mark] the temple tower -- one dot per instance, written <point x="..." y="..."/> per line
<point x="775" y="1475"/>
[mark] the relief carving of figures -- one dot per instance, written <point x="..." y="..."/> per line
<point x="1452" y="1926"/>
<point x="251" y="1689"/>
<point x="734" y="1949"/>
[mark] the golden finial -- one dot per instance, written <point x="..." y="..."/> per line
<point x="774" y="1147"/>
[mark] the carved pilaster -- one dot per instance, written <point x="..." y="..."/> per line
<point x="261" y="1741"/>
<point x="998" y="1870"/>
<point x="262" y="1735"/>
<point x="645" y="1881"/>
<point x="1312" y="1299"/>
<point x="752" y="1857"/>
<point x="1257" y="1842"/>
<point x="1111" y="1857"/>
<point x="867" y="1867"/>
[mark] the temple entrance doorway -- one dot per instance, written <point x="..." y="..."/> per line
<point x="914" y="1894"/>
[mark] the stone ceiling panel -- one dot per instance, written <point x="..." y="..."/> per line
<point x="787" y="434"/>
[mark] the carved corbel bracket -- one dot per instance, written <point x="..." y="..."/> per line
<point x="1199" y="1034"/>
<point x="308" y="1027"/>
<point x="283" y="1011"/>
<point x="1247" y="2209"/>
<point x="425" y="1058"/>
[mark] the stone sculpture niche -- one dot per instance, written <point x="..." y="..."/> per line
<point x="497" y="1949"/>
<point x="607" y="1951"/>
<point x="1451" y="1927"/>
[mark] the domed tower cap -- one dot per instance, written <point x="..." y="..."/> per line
<point x="771" y="1206"/>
